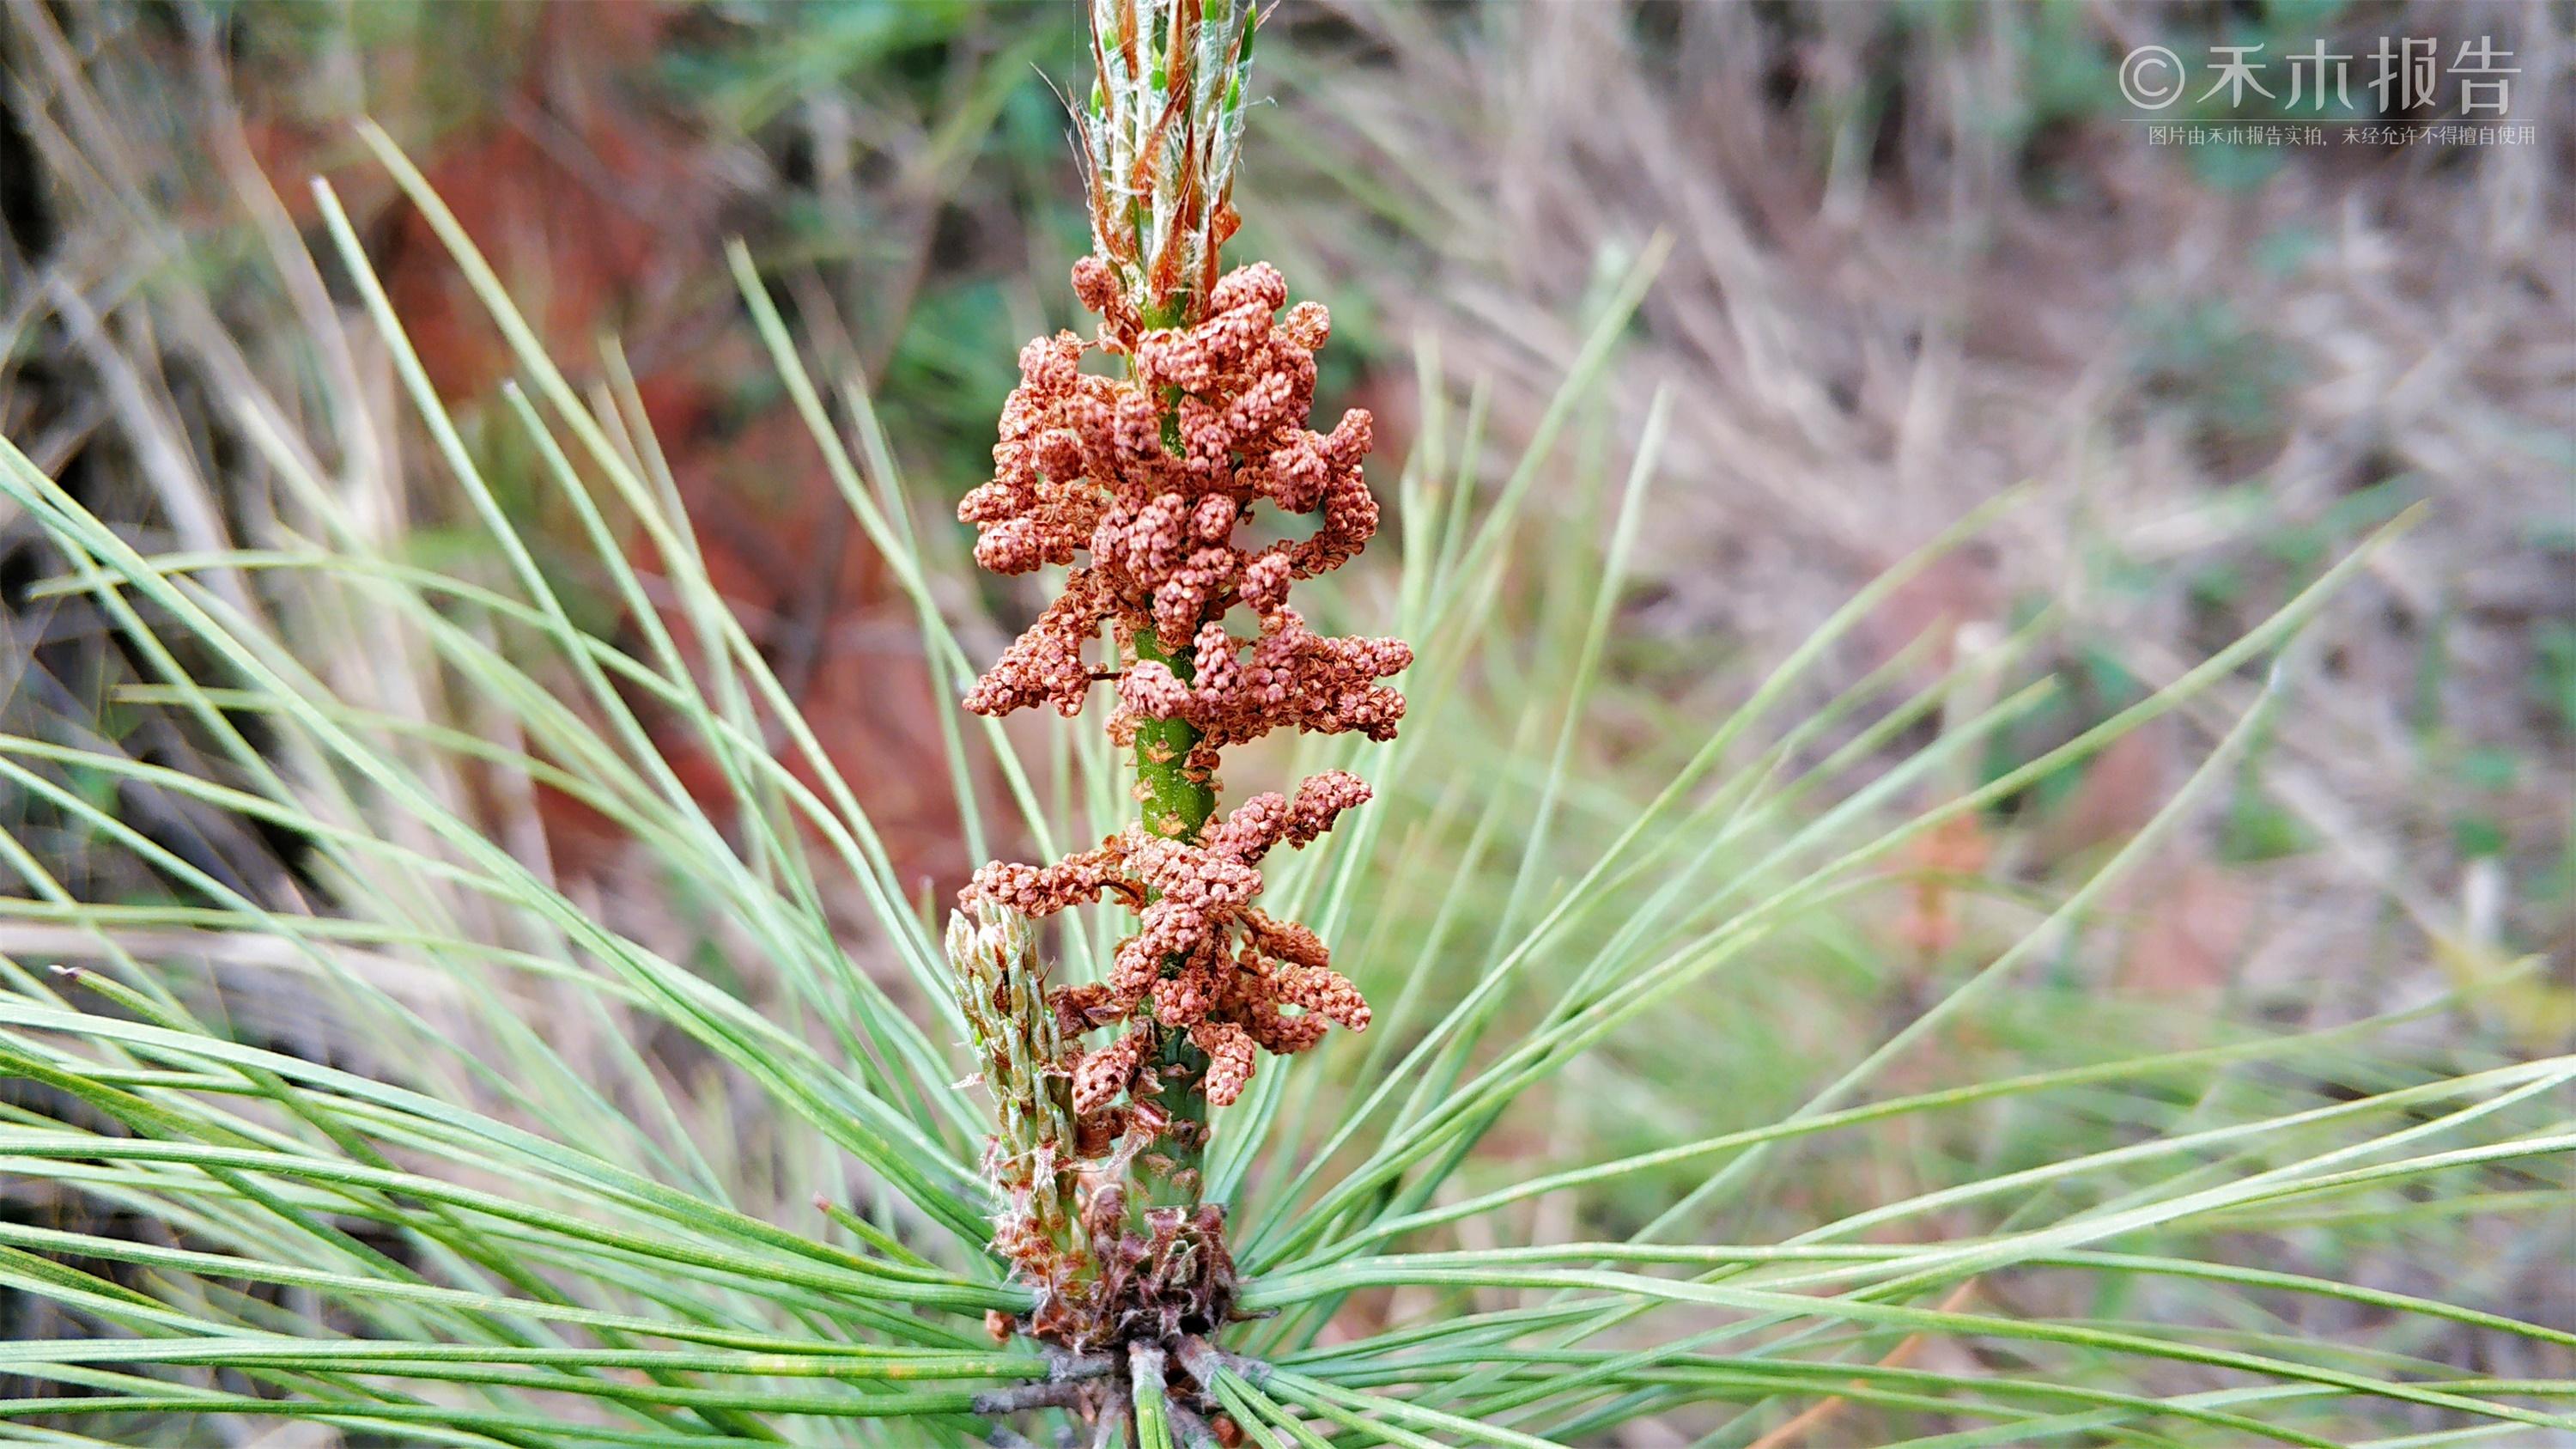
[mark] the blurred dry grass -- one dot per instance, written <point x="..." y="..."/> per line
<point x="1916" y="262"/>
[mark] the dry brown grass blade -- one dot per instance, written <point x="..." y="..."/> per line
<point x="1817" y="1415"/>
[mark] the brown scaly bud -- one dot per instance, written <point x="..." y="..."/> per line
<point x="1031" y="1157"/>
<point x="1161" y="133"/>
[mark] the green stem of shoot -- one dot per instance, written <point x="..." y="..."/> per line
<point x="1176" y="807"/>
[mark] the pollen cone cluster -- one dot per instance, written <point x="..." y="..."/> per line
<point x="1140" y="486"/>
<point x="1204" y="960"/>
<point x="1083" y="468"/>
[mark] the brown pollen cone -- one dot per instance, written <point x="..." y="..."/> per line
<point x="1140" y="486"/>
